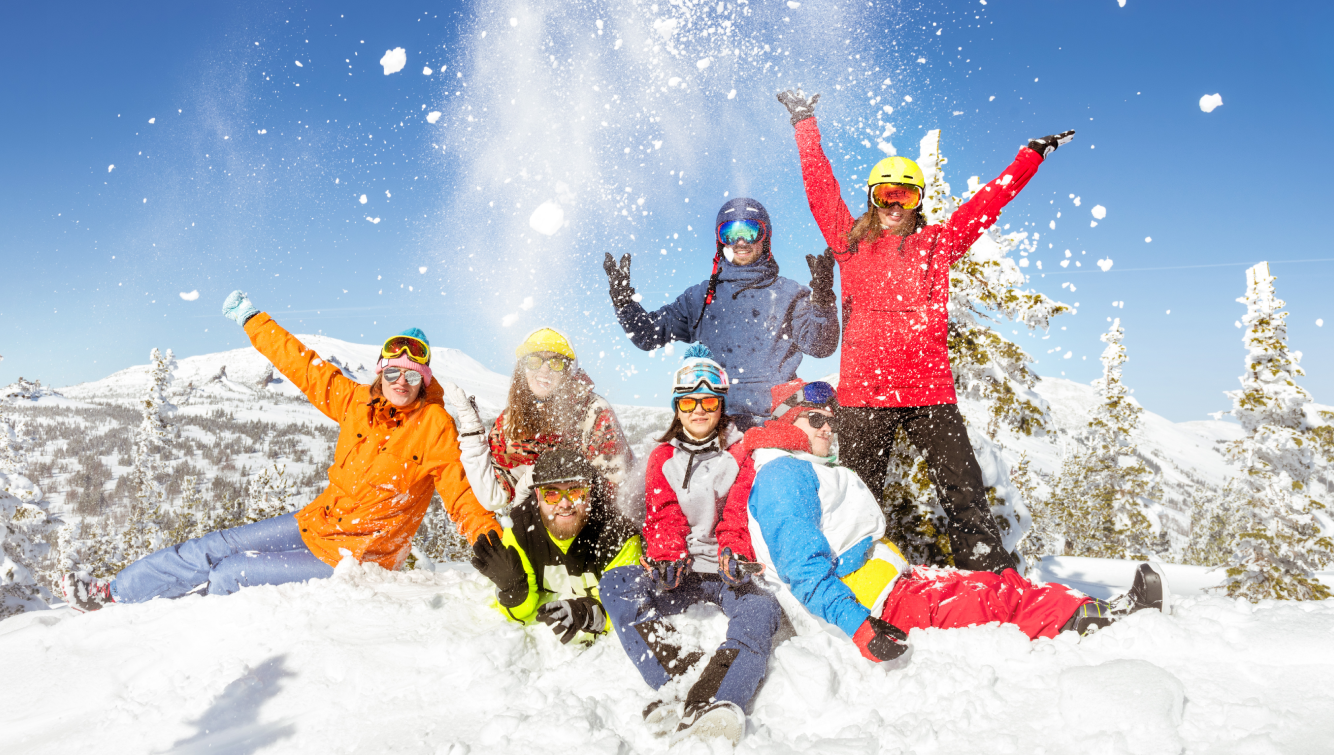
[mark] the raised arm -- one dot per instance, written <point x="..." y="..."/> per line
<point x="475" y="451"/>
<point x="324" y="384"/>
<point x="822" y="190"/>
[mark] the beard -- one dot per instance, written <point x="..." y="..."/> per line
<point x="564" y="528"/>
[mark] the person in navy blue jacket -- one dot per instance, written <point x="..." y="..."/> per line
<point x="756" y="322"/>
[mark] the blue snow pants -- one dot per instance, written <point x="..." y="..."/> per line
<point x="267" y="552"/>
<point x="630" y="597"/>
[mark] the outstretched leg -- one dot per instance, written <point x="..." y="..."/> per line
<point x="248" y="568"/>
<point x="637" y="609"/>
<point x="948" y="598"/>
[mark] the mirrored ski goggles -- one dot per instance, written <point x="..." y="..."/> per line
<point x="392" y="374"/>
<point x="417" y="350"/>
<point x="747" y="231"/>
<point x="818" y="421"/>
<point x="687" y="404"/>
<point x="557" y="363"/>
<point x="552" y="496"/>
<point x="905" y="195"/>
<point x="691" y="377"/>
<point x="817" y="395"/>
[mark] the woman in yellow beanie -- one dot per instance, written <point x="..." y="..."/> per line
<point x="551" y="405"/>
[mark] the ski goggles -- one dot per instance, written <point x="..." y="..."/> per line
<point x="551" y="496"/>
<point x="557" y="363"/>
<point x="417" y="350"/>
<point x="392" y="374"/>
<point x="687" y="404"/>
<point x="700" y="377"/>
<point x="817" y="395"/>
<point x="905" y="195"/>
<point x="746" y="231"/>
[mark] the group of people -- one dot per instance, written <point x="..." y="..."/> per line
<point x="746" y="505"/>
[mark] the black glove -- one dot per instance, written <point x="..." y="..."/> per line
<point x="667" y="574"/>
<point x="797" y="104"/>
<point x="880" y="640"/>
<point x="619" y="278"/>
<point x="1048" y="144"/>
<point x="736" y="569"/>
<point x="501" y="564"/>
<point x="572" y="616"/>
<point x="822" y="278"/>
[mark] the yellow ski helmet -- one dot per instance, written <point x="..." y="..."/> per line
<point x="897" y="170"/>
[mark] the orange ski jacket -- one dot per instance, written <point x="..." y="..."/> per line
<point x="386" y="463"/>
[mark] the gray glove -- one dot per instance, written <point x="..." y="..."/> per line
<point x="797" y="105"/>
<point x="1048" y="144"/>
<point x="237" y="307"/>
<point x="568" y="617"/>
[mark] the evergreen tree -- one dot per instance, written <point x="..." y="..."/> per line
<point x="1103" y="487"/>
<point x="986" y="285"/>
<point x="437" y="539"/>
<point x="270" y="493"/>
<point x="1280" y="545"/>
<point x="143" y="532"/>
<point x="24" y="519"/>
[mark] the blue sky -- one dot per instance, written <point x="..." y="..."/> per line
<point x="251" y="172"/>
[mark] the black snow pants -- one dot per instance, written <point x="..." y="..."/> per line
<point x="866" y="435"/>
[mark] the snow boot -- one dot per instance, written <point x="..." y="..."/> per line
<point x="662" y="715"/>
<point x="1148" y="591"/>
<point x="667" y="652"/>
<point x="705" y="721"/>
<point x="84" y="593"/>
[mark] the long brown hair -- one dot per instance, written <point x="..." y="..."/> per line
<point x="869" y="225"/>
<point x="677" y="428"/>
<point x="527" y="417"/>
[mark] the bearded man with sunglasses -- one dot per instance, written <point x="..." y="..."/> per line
<point x="396" y="446"/>
<point x="756" y="322"/>
<point x="565" y="535"/>
<point x="895" y="369"/>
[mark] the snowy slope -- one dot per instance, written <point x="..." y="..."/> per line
<point x="372" y="661"/>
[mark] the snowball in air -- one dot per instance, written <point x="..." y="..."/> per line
<point x="433" y="116"/>
<point x="1099" y="211"/>
<point x="298" y="64"/>
<point x="527" y="303"/>
<point x="363" y="199"/>
<point x="190" y="296"/>
<point x="111" y="167"/>
<point x="152" y="120"/>
<point x="1320" y="322"/>
<point x="731" y="95"/>
<point x="1105" y="264"/>
<point x="394" y="60"/>
<point x="373" y="220"/>
<point x="1148" y="239"/>
<point x="793" y="4"/>
<point x="426" y="71"/>
<point x="1210" y="101"/>
<point x="422" y="270"/>
<point x="703" y="63"/>
<point x="547" y="218"/>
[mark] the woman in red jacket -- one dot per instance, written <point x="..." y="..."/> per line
<point x="895" y="368"/>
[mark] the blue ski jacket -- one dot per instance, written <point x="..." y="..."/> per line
<point x="757" y="327"/>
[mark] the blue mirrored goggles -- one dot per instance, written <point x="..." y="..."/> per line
<point x="817" y="395"/>
<point x="746" y="230"/>
<point x="700" y="378"/>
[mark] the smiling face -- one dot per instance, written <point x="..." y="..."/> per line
<point x="399" y="393"/>
<point x="822" y="438"/>
<point x="564" y="519"/>
<point x="744" y="253"/>
<point x="699" y="423"/>
<point x="897" y="220"/>
<point x="543" y="381"/>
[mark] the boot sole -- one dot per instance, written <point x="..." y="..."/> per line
<point x="716" y="724"/>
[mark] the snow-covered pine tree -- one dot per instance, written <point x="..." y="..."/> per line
<point x="437" y="539"/>
<point x="1280" y="545"/>
<point x="270" y="493"/>
<point x="985" y="286"/>
<point x="24" y="519"/>
<point x="143" y="532"/>
<point x="1101" y="493"/>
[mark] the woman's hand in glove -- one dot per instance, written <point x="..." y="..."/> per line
<point x="797" y="105"/>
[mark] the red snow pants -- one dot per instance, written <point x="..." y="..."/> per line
<point x="948" y="598"/>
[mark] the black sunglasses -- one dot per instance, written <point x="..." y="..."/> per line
<point x="818" y="421"/>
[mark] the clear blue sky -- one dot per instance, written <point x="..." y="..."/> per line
<point x="251" y="173"/>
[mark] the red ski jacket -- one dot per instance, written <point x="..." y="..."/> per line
<point x="895" y="288"/>
<point x="692" y="507"/>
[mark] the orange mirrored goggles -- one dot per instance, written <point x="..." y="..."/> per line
<point x="905" y="195"/>
<point x="687" y="404"/>
<point x="417" y="350"/>
<point x="552" y="496"/>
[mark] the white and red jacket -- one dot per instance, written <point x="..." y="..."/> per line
<point x="686" y="487"/>
<point x="895" y="288"/>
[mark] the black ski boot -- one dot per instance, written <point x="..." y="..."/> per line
<point x="1148" y="591"/>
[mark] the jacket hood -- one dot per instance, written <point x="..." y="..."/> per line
<point x="774" y="434"/>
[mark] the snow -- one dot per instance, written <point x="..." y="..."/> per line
<point x="298" y="64"/>
<point x="1210" y="101"/>
<point x="394" y="60"/>
<point x="374" y="221"/>
<point x="191" y="296"/>
<point x="703" y="63"/>
<point x="370" y="659"/>
<point x="152" y="120"/>
<point x="433" y="116"/>
<point x="421" y="270"/>
<point x="111" y="168"/>
<point x="1105" y="264"/>
<point x="1099" y="211"/>
<point x="547" y="218"/>
<point x="1148" y="239"/>
<point x="426" y="71"/>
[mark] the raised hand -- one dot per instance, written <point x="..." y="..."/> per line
<point x="1048" y="144"/>
<point x="502" y="565"/>
<point x="822" y="278"/>
<point x="470" y="422"/>
<point x="797" y="105"/>
<point x="237" y="307"/>
<point x="619" y="279"/>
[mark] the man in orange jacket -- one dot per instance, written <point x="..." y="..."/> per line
<point x="396" y="444"/>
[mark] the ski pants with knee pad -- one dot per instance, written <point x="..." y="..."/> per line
<point x="267" y="552"/>
<point x="633" y="601"/>
<point x="865" y="438"/>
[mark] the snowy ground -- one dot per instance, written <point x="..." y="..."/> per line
<point x="416" y="662"/>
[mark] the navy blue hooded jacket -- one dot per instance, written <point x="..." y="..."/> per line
<point x="757" y="327"/>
